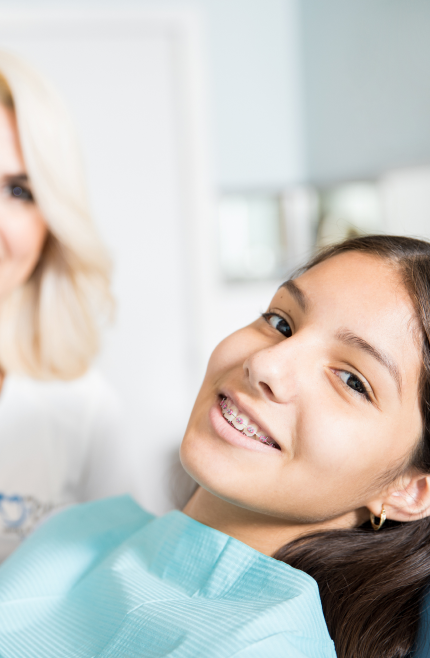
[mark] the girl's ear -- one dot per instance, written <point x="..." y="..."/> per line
<point x="410" y="501"/>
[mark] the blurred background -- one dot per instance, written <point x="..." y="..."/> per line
<point x="225" y="140"/>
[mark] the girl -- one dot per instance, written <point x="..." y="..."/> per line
<point x="310" y="443"/>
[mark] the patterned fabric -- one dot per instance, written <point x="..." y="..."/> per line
<point x="20" y="514"/>
<point x="107" y="579"/>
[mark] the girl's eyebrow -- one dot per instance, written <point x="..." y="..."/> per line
<point x="349" y="338"/>
<point x="297" y="293"/>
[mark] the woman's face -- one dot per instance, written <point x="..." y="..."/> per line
<point x="22" y="227"/>
<point x="330" y="376"/>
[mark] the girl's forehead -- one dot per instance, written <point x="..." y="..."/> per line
<point x="353" y="276"/>
<point x="358" y="263"/>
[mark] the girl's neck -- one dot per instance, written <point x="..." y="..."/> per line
<point x="2" y="377"/>
<point x="264" y="533"/>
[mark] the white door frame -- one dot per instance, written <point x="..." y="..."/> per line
<point x="185" y="28"/>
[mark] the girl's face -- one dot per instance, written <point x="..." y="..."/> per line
<point x="22" y="228"/>
<point x="329" y="375"/>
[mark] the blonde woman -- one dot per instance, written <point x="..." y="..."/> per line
<point x="59" y="421"/>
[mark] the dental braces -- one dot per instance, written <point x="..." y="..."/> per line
<point x="250" y="428"/>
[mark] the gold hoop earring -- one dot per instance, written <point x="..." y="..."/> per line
<point x="378" y="526"/>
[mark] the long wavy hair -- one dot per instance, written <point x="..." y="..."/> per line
<point x="49" y="326"/>
<point x="372" y="584"/>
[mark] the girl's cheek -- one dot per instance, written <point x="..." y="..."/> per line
<point x="229" y="353"/>
<point x="325" y="440"/>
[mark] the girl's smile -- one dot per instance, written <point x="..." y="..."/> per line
<point x="237" y="428"/>
<point x="244" y="423"/>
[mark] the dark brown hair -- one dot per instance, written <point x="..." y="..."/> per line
<point x="371" y="583"/>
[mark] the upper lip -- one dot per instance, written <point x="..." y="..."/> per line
<point x="243" y="406"/>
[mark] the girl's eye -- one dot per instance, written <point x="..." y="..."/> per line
<point x="352" y="381"/>
<point x="278" y="323"/>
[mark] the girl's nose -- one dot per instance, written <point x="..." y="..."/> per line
<point x="272" y="371"/>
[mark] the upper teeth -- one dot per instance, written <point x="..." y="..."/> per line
<point x="242" y="422"/>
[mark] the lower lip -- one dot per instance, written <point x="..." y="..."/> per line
<point x="234" y="437"/>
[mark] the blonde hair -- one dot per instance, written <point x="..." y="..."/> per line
<point x="50" y="325"/>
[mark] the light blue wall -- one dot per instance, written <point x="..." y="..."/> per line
<point x="256" y="80"/>
<point x="366" y="85"/>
